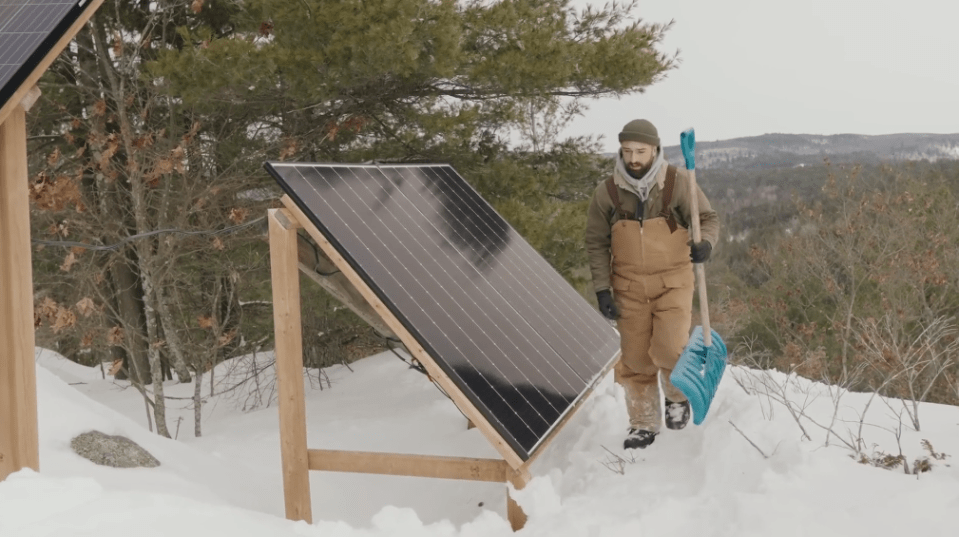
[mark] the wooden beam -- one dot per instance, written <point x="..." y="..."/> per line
<point x="7" y="108"/>
<point x="365" y="462"/>
<point x="416" y="350"/>
<point x="514" y="513"/>
<point x="289" y="369"/>
<point x="335" y="283"/>
<point x="19" y="437"/>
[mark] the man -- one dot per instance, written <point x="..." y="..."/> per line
<point x="641" y="256"/>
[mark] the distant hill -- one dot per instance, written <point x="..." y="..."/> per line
<point x="792" y="150"/>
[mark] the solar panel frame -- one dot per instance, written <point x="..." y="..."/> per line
<point x="579" y="378"/>
<point x="32" y="34"/>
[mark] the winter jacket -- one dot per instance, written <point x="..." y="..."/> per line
<point x="602" y="215"/>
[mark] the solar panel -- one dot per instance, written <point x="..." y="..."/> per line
<point x="29" y="29"/>
<point x="510" y="332"/>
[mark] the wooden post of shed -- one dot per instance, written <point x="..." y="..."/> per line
<point x="19" y="437"/>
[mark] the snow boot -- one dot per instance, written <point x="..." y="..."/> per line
<point x="677" y="414"/>
<point x="638" y="438"/>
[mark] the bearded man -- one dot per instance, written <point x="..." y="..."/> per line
<point x="641" y="257"/>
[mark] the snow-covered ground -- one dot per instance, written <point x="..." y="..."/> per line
<point x="748" y="470"/>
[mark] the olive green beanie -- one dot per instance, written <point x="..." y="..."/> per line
<point x="640" y="130"/>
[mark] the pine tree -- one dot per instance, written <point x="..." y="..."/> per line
<point x="162" y="115"/>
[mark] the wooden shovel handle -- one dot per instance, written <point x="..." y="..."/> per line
<point x="700" y="270"/>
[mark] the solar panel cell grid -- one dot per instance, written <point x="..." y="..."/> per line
<point x="517" y="340"/>
<point x="28" y="31"/>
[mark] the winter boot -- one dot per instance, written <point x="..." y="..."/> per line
<point x="677" y="414"/>
<point x="638" y="438"/>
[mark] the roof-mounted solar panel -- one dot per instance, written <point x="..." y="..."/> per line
<point x="519" y="342"/>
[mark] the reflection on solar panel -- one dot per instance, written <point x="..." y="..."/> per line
<point x="513" y="335"/>
<point x="28" y="31"/>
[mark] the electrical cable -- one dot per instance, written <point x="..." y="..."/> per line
<point x="71" y="244"/>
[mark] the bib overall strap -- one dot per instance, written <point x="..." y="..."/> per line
<point x="614" y="195"/>
<point x="667" y="213"/>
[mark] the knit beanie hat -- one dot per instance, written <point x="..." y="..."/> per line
<point x="640" y="130"/>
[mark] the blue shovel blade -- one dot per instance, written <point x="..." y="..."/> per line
<point x="699" y="370"/>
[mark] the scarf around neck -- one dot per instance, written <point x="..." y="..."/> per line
<point x="643" y="185"/>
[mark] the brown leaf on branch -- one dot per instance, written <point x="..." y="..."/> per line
<point x="68" y="262"/>
<point x="86" y="307"/>
<point x="115" y="336"/>
<point x="64" y="319"/>
<point x="63" y="229"/>
<point x="238" y="215"/>
<point x="143" y="141"/>
<point x="54" y="157"/>
<point x="163" y="167"/>
<point x="99" y="108"/>
<point x="225" y="339"/>
<point x="87" y="341"/>
<point x="205" y="322"/>
<point x="289" y="149"/>
<point x="188" y="137"/>
<point x="218" y="244"/>
<point x="47" y="309"/>
<point x="331" y="130"/>
<point x="54" y="194"/>
<point x="111" y="149"/>
<point x="197" y="6"/>
<point x="118" y="44"/>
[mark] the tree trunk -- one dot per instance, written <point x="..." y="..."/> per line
<point x="130" y="308"/>
<point x="159" y="406"/>
<point x="172" y="339"/>
<point x="197" y="405"/>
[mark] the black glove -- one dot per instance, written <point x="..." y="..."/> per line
<point x="699" y="251"/>
<point x="606" y="305"/>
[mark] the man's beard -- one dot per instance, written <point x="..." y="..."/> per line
<point x="639" y="172"/>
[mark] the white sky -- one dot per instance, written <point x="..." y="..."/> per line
<point x="750" y="67"/>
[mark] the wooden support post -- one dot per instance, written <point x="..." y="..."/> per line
<point x="514" y="513"/>
<point x="289" y="367"/>
<point x="19" y="438"/>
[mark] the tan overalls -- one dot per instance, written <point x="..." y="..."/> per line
<point x="652" y="280"/>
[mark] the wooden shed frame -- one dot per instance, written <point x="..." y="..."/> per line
<point x="19" y="431"/>
<point x="287" y="260"/>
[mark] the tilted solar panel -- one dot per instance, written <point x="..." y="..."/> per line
<point x="28" y="31"/>
<point x="513" y="335"/>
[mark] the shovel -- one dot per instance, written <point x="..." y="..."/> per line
<point x="703" y="361"/>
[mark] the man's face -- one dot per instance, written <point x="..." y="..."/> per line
<point x="637" y="155"/>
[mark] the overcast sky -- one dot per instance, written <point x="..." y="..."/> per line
<point x="750" y="67"/>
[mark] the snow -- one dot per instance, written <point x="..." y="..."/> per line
<point x="702" y="481"/>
